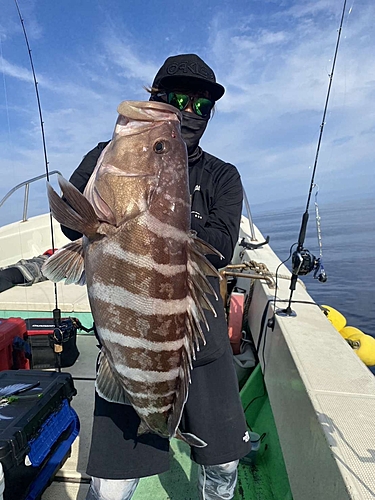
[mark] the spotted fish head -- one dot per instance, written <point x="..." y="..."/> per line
<point x="146" y="146"/>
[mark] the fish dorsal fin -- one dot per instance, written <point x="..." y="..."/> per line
<point x="67" y="263"/>
<point x="107" y="384"/>
<point x="199" y="286"/>
<point x="203" y="247"/>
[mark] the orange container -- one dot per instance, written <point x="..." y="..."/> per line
<point x="235" y="319"/>
<point x="11" y="328"/>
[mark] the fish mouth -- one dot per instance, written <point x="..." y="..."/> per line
<point x="118" y="172"/>
<point x="137" y="117"/>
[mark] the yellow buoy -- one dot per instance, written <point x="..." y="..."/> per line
<point x="335" y="317"/>
<point x="347" y="331"/>
<point x="363" y="345"/>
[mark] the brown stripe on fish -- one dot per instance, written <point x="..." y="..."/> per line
<point x="156" y="327"/>
<point x="142" y="354"/>
<point x="142" y="275"/>
<point x="166" y="244"/>
<point x="145" y="360"/>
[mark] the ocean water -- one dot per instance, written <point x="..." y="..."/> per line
<point x="348" y="241"/>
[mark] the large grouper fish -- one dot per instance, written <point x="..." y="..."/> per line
<point x="145" y="270"/>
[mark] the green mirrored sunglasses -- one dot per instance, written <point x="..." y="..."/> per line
<point x="201" y="105"/>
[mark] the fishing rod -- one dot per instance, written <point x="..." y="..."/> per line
<point x="303" y="261"/>
<point x="56" y="311"/>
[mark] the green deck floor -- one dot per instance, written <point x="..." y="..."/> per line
<point x="179" y="483"/>
<point x="266" y="480"/>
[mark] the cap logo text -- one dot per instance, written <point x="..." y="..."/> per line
<point x="192" y="68"/>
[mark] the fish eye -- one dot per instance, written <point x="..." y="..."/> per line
<point x="159" y="147"/>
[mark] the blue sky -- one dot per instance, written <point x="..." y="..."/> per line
<point x="272" y="56"/>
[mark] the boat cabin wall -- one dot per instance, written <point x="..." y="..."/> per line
<point x="23" y="240"/>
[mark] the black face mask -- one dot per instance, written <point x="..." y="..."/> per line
<point x="192" y="129"/>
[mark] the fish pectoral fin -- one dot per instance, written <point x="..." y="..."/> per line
<point x="80" y="216"/>
<point x="67" y="263"/>
<point x="190" y="439"/>
<point x="107" y="384"/>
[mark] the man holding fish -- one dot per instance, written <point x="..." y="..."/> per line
<point x="152" y="228"/>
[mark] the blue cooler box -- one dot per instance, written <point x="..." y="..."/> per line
<point x="37" y="429"/>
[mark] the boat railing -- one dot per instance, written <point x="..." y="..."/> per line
<point x="248" y="213"/>
<point x="26" y="184"/>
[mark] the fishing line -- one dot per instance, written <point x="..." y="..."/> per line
<point x="10" y="145"/>
<point x="5" y="90"/>
<point x="56" y="312"/>
<point x="302" y="260"/>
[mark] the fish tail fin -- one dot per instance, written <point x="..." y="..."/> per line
<point x="67" y="263"/>
<point x="143" y="428"/>
<point x="190" y="439"/>
<point x="107" y="385"/>
<point x="80" y="216"/>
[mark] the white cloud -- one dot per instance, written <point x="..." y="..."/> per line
<point x="15" y="71"/>
<point x="268" y="121"/>
<point x="126" y="58"/>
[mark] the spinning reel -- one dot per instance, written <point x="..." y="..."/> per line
<point x="304" y="262"/>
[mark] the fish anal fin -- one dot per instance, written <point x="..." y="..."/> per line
<point x="107" y="384"/>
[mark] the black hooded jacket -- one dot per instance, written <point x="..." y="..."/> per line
<point x="216" y="204"/>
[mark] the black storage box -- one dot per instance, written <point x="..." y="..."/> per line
<point x="40" y="332"/>
<point x="37" y="429"/>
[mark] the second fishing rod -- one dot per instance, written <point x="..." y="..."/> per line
<point x="303" y="261"/>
